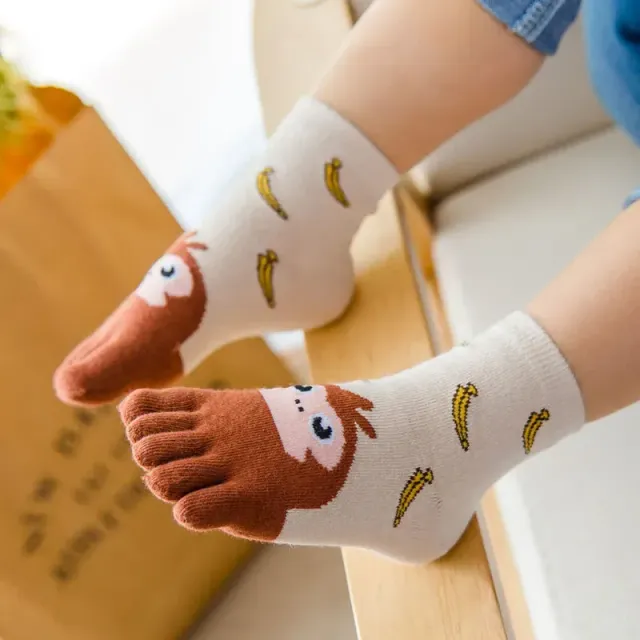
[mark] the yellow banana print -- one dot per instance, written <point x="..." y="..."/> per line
<point x="265" y="275"/>
<point x="535" y="421"/>
<point x="460" y="411"/>
<point x="332" y="181"/>
<point x="415" y="484"/>
<point x="264" y="189"/>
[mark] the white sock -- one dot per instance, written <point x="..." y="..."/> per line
<point x="273" y="255"/>
<point x="397" y="465"/>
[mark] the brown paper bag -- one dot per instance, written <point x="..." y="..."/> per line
<point x="85" y="552"/>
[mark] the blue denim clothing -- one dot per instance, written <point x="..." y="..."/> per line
<point x="612" y="35"/>
<point x="542" y="23"/>
<point x="613" y="54"/>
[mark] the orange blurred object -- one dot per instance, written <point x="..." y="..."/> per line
<point x="29" y="119"/>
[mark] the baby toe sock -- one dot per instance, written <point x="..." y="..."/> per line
<point x="397" y="465"/>
<point x="272" y="255"/>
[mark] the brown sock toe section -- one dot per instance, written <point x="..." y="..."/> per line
<point x="175" y="480"/>
<point x="74" y="381"/>
<point x="88" y="383"/>
<point x="156" y="423"/>
<point x="155" y="450"/>
<point x="211" y="508"/>
<point x="104" y="368"/>
<point x="227" y="507"/>
<point x="146" y="401"/>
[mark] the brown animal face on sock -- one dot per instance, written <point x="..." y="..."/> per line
<point x="270" y="463"/>
<point x="138" y="345"/>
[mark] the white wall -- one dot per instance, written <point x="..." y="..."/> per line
<point x="173" y="79"/>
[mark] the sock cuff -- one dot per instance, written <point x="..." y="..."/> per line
<point x="548" y="367"/>
<point x="315" y="125"/>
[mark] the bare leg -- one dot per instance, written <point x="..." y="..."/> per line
<point x="592" y="312"/>
<point x="415" y="72"/>
<point x="263" y="464"/>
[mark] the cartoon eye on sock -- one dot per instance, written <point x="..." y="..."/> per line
<point x="169" y="277"/>
<point x="332" y="181"/>
<point x="265" y="190"/>
<point x="460" y="411"/>
<point x="175" y="284"/>
<point x="266" y="262"/>
<point x="531" y="428"/>
<point x="414" y="485"/>
<point x="139" y="344"/>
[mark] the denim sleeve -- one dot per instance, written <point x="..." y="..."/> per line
<point x="612" y="29"/>
<point x="541" y="23"/>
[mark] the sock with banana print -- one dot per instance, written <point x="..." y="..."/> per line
<point x="397" y="465"/>
<point x="273" y="255"/>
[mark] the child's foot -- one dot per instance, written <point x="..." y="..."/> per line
<point x="274" y="256"/>
<point x="397" y="465"/>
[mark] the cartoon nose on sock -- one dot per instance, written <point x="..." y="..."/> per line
<point x="139" y="344"/>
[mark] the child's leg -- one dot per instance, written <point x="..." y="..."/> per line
<point x="399" y="464"/>
<point x="396" y="464"/>
<point x="592" y="311"/>
<point x="416" y="72"/>
<point x="275" y="252"/>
